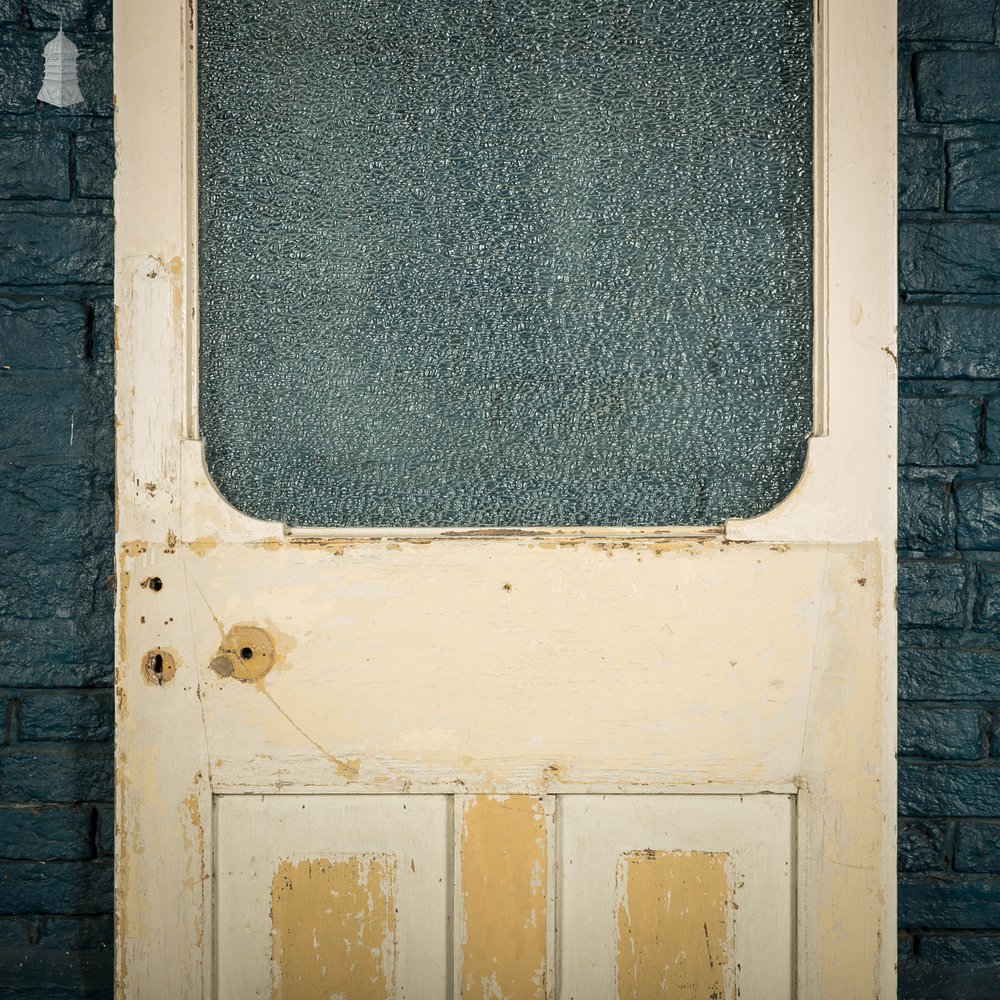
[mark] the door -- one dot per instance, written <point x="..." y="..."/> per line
<point x="410" y="711"/>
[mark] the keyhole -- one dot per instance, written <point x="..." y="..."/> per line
<point x="246" y="652"/>
<point x="158" y="666"/>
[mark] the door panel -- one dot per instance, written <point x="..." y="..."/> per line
<point x="322" y="896"/>
<point x="680" y="896"/>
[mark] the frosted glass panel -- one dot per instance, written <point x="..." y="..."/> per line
<point x="505" y="263"/>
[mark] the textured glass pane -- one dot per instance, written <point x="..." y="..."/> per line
<point x="505" y="263"/>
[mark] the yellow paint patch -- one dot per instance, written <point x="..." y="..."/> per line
<point x="673" y="926"/>
<point x="503" y="871"/>
<point x="200" y="546"/>
<point x="333" y="929"/>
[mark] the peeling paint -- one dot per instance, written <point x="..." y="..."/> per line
<point x="674" y="921"/>
<point x="334" y="929"/>
<point x="504" y="868"/>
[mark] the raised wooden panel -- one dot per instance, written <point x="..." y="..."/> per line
<point x="333" y="928"/>
<point x="333" y="896"/>
<point x="680" y="897"/>
<point x="675" y="924"/>
<point x="502" y="863"/>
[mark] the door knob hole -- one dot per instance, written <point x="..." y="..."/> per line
<point x="246" y="652"/>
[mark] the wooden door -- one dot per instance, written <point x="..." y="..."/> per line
<point x="491" y="763"/>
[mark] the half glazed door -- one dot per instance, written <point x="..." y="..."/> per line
<point x="506" y="462"/>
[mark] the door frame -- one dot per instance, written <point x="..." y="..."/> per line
<point x="167" y="505"/>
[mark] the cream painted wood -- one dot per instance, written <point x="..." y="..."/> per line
<point x="256" y="832"/>
<point x="753" y="657"/>
<point x="755" y="832"/>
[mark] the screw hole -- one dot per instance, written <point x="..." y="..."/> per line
<point x="246" y="652"/>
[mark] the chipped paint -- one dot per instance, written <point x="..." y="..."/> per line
<point x="334" y="929"/>
<point x="200" y="546"/>
<point x="674" y="921"/>
<point x="504" y="868"/>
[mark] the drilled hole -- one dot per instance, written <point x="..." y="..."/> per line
<point x="153" y="583"/>
<point x="246" y="652"/>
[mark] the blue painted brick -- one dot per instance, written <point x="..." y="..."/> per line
<point x="104" y="333"/>
<point x="56" y="887"/>
<point x="950" y="257"/>
<point x="40" y="333"/>
<point x="946" y="674"/>
<point x="54" y="591"/>
<point x="36" y="974"/>
<point x="932" y="592"/>
<point x="75" y="933"/>
<point x="15" y="932"/>
<point x="987" y="612"/>
<point x="34" y="165"/>
<point x="949" y="341"/>
<point x="958" y="86"/>
<point x="929" y="790"/>
<point x="905" y="107"/>
<point x="46" y="833"/>
<point x="920" y="162"/>
<point x="939" y="430"/>
<point x="943" y="733"/>
<point x="68" y="774"/>
<point x="922" y="846"/>
<point x="46" y="652"/>
<point x="953" y="949"/>
<point x="977" y="503"/>
<point x="904" y="946"/>
<point x="974" y="175"/>
<point x="55" y="511"/>
<point x="66" y="715"/>
<point x="54" y="416"/>
<point x="977" y="847"/>
<point x="993" y="428"/>
<point x="923" y="980"/>
<point x="49" y="249"/>
<point x="945" y="902"/>
<point x="926" y="513"/>
<point x="946" y="20"/>
<point x="95" y="164"/>
<point x="105" y="833"/>
<point x="46" y="14"/>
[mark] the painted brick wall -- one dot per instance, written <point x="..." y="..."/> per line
<point x="56" y="520"/>
<point x="949" y="596"/>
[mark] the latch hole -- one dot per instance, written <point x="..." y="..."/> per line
<point x="153" y="583"/>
